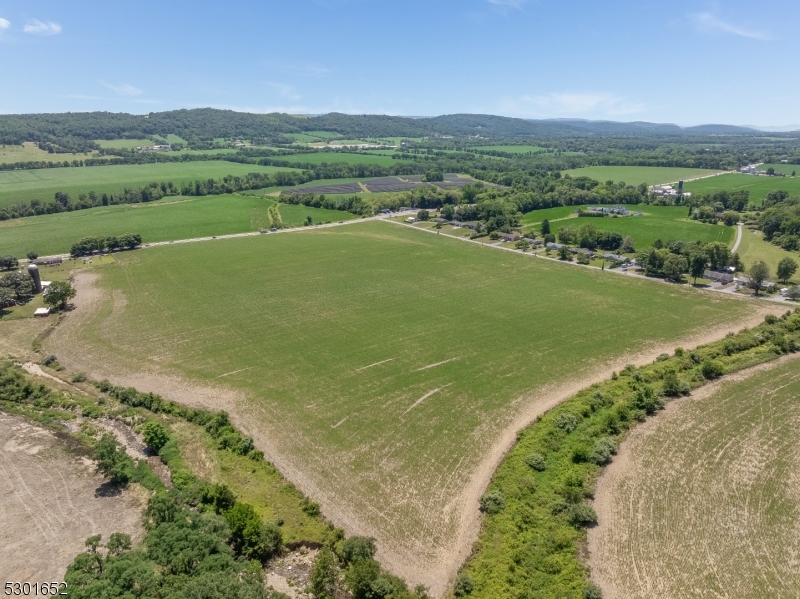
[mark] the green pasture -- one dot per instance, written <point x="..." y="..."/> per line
<point x="758" y="185"/>
<point x="128" y="144"/>
<point x="29" y="152"/>
<point x="511" y="149"/>
<point x="337" y="157"/>
<point x="42" y="184"/>
<point x="535" y="217"/>
<point x="786" y="169"/>
<point x="753" y="248"/>
<point x="294" y="215"/>
<point x="634" y="175"/>
<point x="667" y="223"/>
<point x="381" y="362"/>
<point x="165" y="220"/>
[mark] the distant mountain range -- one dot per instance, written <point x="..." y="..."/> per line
<point x="76" y="130"/>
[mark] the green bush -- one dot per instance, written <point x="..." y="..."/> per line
<point x="536" y="461"/>
<point x="492" y="502"/>
<point x="712" y="369"/>
<point x="463" y="585"/>
<point x="582" y="514"/>
<point x="603" y="450"/>
<point x="155" y="435"/>
<point x="357" y="548"/>
<point x="592" y="591"/>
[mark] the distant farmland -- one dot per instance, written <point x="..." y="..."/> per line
<point x="758" y="185"/>
<point x="703" y="501"/>
<point x="338" y="157"/>
<point x="171" y="218"/>
<point x="42" y="184"/>
<point x="634" y="175"/>
<point x="667" y="223"/>
<point x="382" y="369"/>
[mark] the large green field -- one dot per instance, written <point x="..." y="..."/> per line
<point x="383" y="369"/>
<point x="634" y="175"/>
<point x="758" y="185"/>
<point x="42" y="184"/>
<point x="704" y="500"/>
<point x="337" y="157"/>
<point x="28" y="152"/>
<point x="667" y="223"/>
<point x="512" y="149"/>
<point x="165" y="220"/>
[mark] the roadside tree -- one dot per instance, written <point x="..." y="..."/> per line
<point x="759" y="272"/>
<point x="697" y="265"/>
<point x="786" y="269"/>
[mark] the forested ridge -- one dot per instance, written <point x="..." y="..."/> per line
<point x="77" y="131"/>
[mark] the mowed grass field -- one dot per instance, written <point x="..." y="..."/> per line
<point x="31" y="152"/>
<point x="704" y="500"/>
<point x="758" y="185"/>
<point x="753" y="248"/>
<point x="667" y="223"/>
<point x="171" y="218"/>
<point x="384" y="370"/>
<point x="42" y="184"/>
<point x="634" y="175"/>
<point x="512" y="149"/>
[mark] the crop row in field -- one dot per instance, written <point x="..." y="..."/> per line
<point x="382" y="369"/>
<point x="42" y="184"/>
<point x="170" y="218"/>
<point x="716" y="477"/>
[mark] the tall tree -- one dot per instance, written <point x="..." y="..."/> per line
<point x="786" y="269"/>
<point x="697" y="265"/>
<point x="759" y="272"/>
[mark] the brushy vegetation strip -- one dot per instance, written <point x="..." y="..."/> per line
<point x="201" y="541"/>
<point x="536" y="506"/>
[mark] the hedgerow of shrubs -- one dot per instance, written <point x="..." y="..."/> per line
<point x="530" y="547"/>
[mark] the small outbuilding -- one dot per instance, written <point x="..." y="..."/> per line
<point x="42" y="312"/>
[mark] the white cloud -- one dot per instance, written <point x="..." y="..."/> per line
<point x="4" y="23"/>
<point x="38" y="27"/>
<point x="286" y="91"/>
<point x="123" y="89"/>
<point x="570" y="104"/>
<point x="705" y="22"/>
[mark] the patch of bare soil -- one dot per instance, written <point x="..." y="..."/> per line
<point x="430" y="555"/>
<point x="290" y="574"/>
<point x="704" y="500"/>
<point x="51" y="500"/>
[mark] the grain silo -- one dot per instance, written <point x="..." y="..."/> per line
<point x="33" y="271"/>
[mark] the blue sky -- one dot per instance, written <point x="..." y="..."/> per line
<point x="678" y="61"/>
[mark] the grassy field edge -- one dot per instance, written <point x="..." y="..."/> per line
<point x="532" y="540"/>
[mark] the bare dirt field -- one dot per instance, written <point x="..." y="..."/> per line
<point x="51" y="500"/>
<point x="704" y="499"/>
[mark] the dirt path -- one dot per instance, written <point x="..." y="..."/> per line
<point x="51" y="500"/>
<point x="738" y="238"/>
